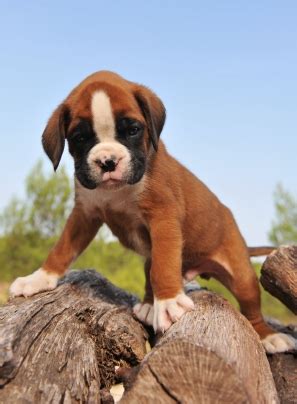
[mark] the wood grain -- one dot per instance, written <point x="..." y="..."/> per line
<point x="63" y="345"/>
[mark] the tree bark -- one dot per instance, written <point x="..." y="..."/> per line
<point x="62" y="346"/>
<point x="279" y="275"/>
<point x="212" y="355"/>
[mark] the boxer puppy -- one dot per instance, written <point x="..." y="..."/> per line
<point x="124" y="177"/>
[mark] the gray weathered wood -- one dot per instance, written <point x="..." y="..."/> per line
<point x="63" y="345"/>
<point x="279" y="275"/>
<point x="212" y="355"/>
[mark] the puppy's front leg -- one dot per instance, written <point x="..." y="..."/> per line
<point x="145" y="311"/>
<point x="170" y="302"/>
<point x="80" y="229"/>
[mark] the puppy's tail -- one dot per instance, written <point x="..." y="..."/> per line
<point x="258" y="251"/>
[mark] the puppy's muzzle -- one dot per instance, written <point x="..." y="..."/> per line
<point x="109" y="161"/>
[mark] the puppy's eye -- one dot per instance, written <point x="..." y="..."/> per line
<point x="78" y="137"/>
<point x="133" y="130"/>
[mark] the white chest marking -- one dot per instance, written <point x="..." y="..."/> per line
<point x="123" y="200"/>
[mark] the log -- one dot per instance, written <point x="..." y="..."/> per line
<point x="279" y="275"/>
<point x="211" y="355"/>
<point x="284" y="372"/>
<point x="284" y="367"/>
<point x="62" y="346"/>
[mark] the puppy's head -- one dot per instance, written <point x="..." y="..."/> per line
<point x="111" y="125"/>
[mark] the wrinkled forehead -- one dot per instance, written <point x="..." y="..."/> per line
<point x="103" y="105"/>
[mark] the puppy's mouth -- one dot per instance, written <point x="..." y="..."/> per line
<point x="111" y="184"/>
<point x="112" y="173"/>
<point x="112" y="178"/>
<point x="106" y="180"/>
<point x="109" y="175"/>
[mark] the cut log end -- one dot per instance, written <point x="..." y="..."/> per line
<point x="180" y="371"/>
<point x="279" y="276"/>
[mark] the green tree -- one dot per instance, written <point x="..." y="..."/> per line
<point x="46" y="206"/>
<point x="29" y="227"/>
<point x="284" y="227"/>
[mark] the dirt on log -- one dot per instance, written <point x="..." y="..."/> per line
<point x="279" y="275"/>
<point x="62" y="346"/>
<point x="212" y="355"/>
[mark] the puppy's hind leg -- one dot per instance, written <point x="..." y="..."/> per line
<point x="80" y="229"/>
<point x="244" y="285"/>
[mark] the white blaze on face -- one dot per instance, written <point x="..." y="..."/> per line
<point x="108" y="147"/>
<point x="103" y="120"/>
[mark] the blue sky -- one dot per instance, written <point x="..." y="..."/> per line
<point x="226" y="71"/>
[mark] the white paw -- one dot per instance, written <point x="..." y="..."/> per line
<point x="279" y="342"/>
<point x="168" y="311"/>
<point x="39" y="281"/>
<point x="144" y="312"/>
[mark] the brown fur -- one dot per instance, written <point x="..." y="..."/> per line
<point x="173" y="219"/>
<point x="79" y="231"/>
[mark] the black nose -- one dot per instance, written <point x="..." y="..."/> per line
<point x="108" y="165"/>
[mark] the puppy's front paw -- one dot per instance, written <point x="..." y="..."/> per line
<point x="144" y="312"/>
<point x="168" y="311"/>
<point x="279" y="342"/>
<point x="39" y="281"/>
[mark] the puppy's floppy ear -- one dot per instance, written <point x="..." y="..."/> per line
<point x="53" y="137"/>
<point x="153" y="110"/>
